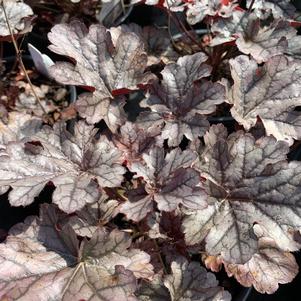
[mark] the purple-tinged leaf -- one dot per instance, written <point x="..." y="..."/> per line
<point x="19" y="17"/>
<point x="225" y="30"/>
<point x="180" y="102"/>
<point x="253" y="36"/>
<point x="187" y="282"/>
<point x="153" y="291"/>
<point x="190" y="281"/>
<point x="17" y="127"/>
<point x="281" y="9"/>
<point x="266" y="269"/>
<point x="169" y="182"/>
<point x="36" y="258"/>
<point x="264" y="42"/>
<point x="197" y="10"/>
<point x="247" y="182"/>
<point x="92" y="216"/>
<point x="139" y="204"/>
<point x="42" y="263"/>
<point x="156" y="41"/>
<point x="215" y="133"/>
<point x="134" y="140"/>
<point x="75" y="164"/>
<point x="270" y="92"/>
<point x="111" y="249"/>
<point x="106" y="67"/>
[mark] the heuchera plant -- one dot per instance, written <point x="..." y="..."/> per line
<point x="136" y="199"/>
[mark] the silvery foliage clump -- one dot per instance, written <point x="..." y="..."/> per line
<point x="134" y="200"/>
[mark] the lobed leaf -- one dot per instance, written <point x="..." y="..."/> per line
<point x="75" y="164"/>
<point x="157" y="43"/>
<point x="266" y="269"/>
<point x="187" y="281"/>
<point x="270" y="92"/>
<point x="247" y="182"/>
<point x="92" y="216"/>
<point x="101" y="64"/>
<point x="197" y="10"/>
<point x="18" y="126"/>
<point x="283" y="9"/>
<point x="133" y="140"/>
<point x="190" y="281"/>
<point x="169" y="181"/>
<point x="19" y="17"/>
<point x="180" y="102"/>
<point x="41" y="262"/>
<point x="253" y="36"/>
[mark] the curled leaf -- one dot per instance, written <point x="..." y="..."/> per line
<point x="266" y="269"/>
